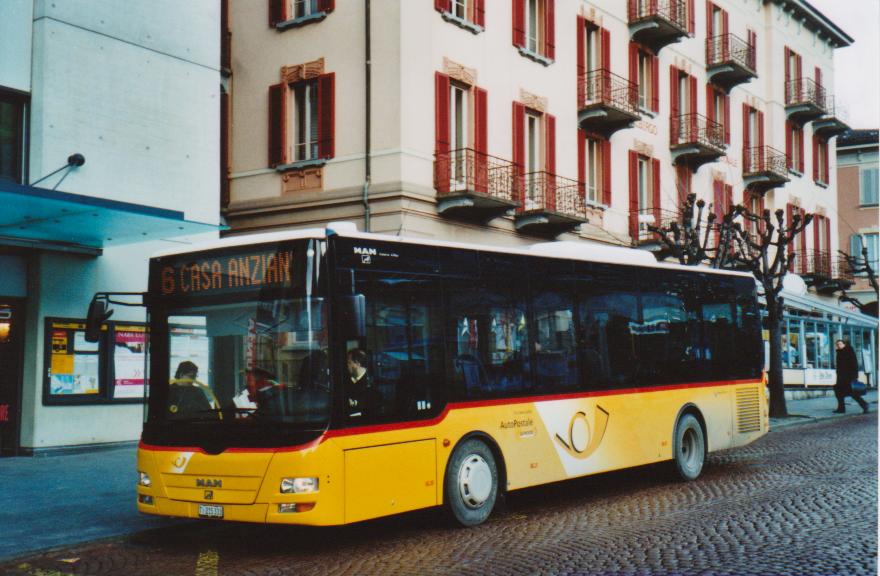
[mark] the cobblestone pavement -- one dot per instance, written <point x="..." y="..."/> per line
<point x="799" y="501"/>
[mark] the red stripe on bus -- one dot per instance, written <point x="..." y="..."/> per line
<point x="338" y="433"/>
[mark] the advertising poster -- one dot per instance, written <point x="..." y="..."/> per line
<point x="72" y="370"/>
<point x="129" y="346"/>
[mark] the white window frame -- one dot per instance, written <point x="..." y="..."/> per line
<point x="303" y="8"/>
<point x="461" y="9"/>
<point x="533" y="156"/>
<point x="534" y="25"/>
<point x="797" y="136"/>
<point x="643" y="179"/>
<point x="304" y="103"/>
<point x="820" y="160"/>
<point x="593" y="169"/>
<point x="459" y="130"/>
<point x="592" y="48"/>
<point x="644" y="80"/>
<point x="870" y="184"/>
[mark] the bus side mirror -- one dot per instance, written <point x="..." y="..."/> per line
<point x="354" y="316"/>
<point x="98" y="314"/>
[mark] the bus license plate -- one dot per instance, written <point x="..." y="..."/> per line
<point x="210" y="511"/>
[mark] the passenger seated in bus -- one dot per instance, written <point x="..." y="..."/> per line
<point x="363" y="397"/>
<point x="187" y="396"/>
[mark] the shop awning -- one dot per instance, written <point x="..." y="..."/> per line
<point x="811" y="304"/>
<point x="38" y="216"/>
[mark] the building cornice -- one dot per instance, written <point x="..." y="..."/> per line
<point x="817" y="21"/>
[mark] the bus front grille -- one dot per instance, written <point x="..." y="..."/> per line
<point x="748" y="410"/>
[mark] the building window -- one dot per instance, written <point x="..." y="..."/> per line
<point x="304" y="97"/>
<point x="458" y="130"/>
<point x="644" y="194"/>
<point x="868" y="187"/>
<point x="284" y="14"/>
<point x="794" y="147"/>
<point x="533" y="29"/>
<point x="718" y="110"/>
<point x="467" y="14"/>
<point x="12" y="123"/>
<point x="643" y="175"/>
<point x="304" y="8"/>
<point x="592" y="47"/>
<point x="855" y="248"/>
<point x="820" y="160"/>
<point x="593" y="164"/>
<point x="644" y="72"/>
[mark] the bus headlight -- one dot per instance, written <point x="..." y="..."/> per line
<point x="298" y="485"/>
<point x="144" y="479"/>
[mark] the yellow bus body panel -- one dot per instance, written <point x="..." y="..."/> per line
<point x="376" y="471"/>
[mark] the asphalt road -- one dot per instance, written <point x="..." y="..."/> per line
<point x="799" y="501"/>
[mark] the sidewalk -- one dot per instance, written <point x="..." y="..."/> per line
<point x="53" y="501"/>
<point x="815" y="409"/>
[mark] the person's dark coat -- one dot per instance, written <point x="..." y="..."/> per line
<point x="847" y="370"/>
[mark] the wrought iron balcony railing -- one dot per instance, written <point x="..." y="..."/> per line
<point x="546" y="192"/>
<point x="805" y="91"/>
<point x="673" y="11"/>
<point x="835" y="109"/>
<point x="604" y="87"/>
<point x="760" y="159"/>
<point x="727" y="48"/>
<point x="695" y="128"/>
<point x="840" y="270"/>
<point x="465" y="170"/>
<point x="640" y="220"/>
<point x="813" y="263"/>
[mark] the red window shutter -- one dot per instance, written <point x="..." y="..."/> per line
<point x="724" y="24"/>
<point x="655" y="189"/>
<point x="655" y="83"/>
<point x="800" y="149"/>
<point x="582" y="162"/>
<point x="710" y="102"/>
<point x="633" y="63"/>
<point x="441" y="5"/>
<point x="605" y="54"/>
<point x="480" y="13"/>
<point x="326" y="5"/>
<point x="581" y="59"/>
<point x="799" y="63"/>
<point x="817" y="225"/>
<point x="761" y="129"/>
<point x="789" y="92"/>
<point x="710" y="24"/>
<point x="691" y="18"/>
<point x="692" y="104"/>
<point x="326" y="115"/>
<point x="747" y="128"/>
<point x="718" y="198"/>
<point x="789" y="212"/>
<point x="726" y="119"/>
<point x="827" y="165"/>
<point x="519" y="145"/>
<point x="519" y="25"/>
<point x="550" y="159"/>
<point x="550" y="29"/>
<point x="788" y="148"/>
<point x="674" y="113"/>
<point x="815" y="159"/>
<point x="828" y="237"/>
<point x="441" y="133"/>
<point x="441" y="113"/>
<point x="803" y="236"/>
<point x="481" y="140"/>
<point x="277" y="12"/>
<point x="606" y="172"/>
<point x="633" y="195"/>
<point x="818" y="76"/>
<point x="728" y="197"/>
<point x="277" y="124"/>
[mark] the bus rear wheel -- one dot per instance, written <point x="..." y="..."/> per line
<point x="689" y="447"/>
<point x="471" y="483"/>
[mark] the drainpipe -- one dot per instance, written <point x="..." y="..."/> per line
<point x="366" y="190"/>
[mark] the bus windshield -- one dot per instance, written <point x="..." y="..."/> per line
<point x="251" y="360"/>
<point x="239" y="346"/>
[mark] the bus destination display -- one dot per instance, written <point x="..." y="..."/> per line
<point x="228" y="272"/>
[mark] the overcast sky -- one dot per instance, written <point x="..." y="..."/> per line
<point x="857" y="67"/>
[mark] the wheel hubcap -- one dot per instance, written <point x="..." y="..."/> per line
<point x="691" y="451"/>
<point x="474" y="481"/>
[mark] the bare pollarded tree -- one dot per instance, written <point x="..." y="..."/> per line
<point x="759" y="243"/>
<point x="762" y="246"/>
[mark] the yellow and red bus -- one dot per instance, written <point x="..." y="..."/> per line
<point x="327" y="376"/>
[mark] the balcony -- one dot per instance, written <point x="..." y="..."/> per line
<point x="804" y="100"/>
<point x="840" y="278"/>
<point x="640" y="219"/>
<point x="814" y="266"/>
<point x="473" y="185"/>
<point x="730" y="61"/>
<point x="606" y="102"/>
<point x="550" y="204"/>
<point x="764" y="168"/>
<point x="834" y="121"/>
<point x="656" y="23"/>
<point x="695" y="140"/>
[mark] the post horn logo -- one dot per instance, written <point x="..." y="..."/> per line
<point x="580" y="445"/>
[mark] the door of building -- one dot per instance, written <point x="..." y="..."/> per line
<point x="11" y="349"/>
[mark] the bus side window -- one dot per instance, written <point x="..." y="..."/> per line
<point x="608" y="321"/>
<point x="404" y="347"/>
<point x="749" y="346"/>
<point x="719" y="324"/>
<point x="488" y="334"/>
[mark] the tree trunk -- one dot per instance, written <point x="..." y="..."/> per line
<point x="777" y="390"/>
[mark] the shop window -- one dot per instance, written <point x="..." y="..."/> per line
<point x="81" y="372"/>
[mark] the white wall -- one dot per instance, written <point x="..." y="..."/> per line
<point x="15" y="44"/>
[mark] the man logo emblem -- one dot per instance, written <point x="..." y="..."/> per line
<point x="209" y="494"/>
<point x="209" y="483"/>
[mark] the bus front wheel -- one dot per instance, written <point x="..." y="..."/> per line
<point x="689" y="446"/>
<point x="471" y="483"/>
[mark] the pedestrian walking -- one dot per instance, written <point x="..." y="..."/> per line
<point x="847" y="371"/>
